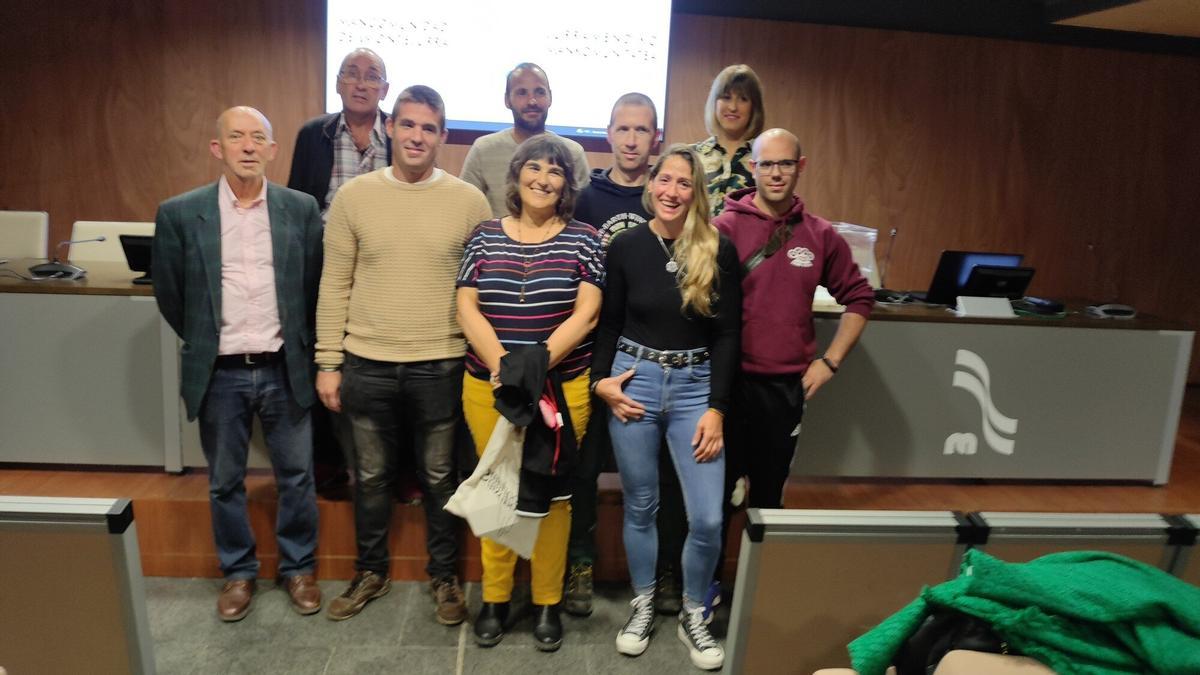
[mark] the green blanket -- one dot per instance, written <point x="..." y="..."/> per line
<point x="1082" y="612"/>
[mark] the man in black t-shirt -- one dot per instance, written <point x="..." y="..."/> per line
<point x="612" y="203"/>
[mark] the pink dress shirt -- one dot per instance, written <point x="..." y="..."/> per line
<point x="249" y="311"/>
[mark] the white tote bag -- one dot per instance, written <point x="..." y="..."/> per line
<point x="487" y="500"/>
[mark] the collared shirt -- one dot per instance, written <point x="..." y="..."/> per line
<point x="725" y="174"/>
<point x="349" y="162"/>
<point x="249" y="311"/>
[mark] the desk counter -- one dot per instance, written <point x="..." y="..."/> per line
<point x="92" y="378"/>
<point x="87" y="365"/>
<point x="927" y="394"/>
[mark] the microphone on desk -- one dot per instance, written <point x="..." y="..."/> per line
<point x="62" y="269"/>
<point x="887" y="258"/>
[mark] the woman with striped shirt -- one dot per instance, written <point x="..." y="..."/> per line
<point x="533" y="277"/>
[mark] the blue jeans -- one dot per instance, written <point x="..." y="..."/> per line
<point x="235" y="395"/>
<point x="674" y="399"/>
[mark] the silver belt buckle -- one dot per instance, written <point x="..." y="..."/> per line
<point x="248" y="358"/>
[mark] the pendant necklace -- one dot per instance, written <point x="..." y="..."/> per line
<point x="671" y="265"/>
<point x="525" y="257"/>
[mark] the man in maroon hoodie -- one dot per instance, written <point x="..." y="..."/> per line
<point x="786" y="252"/>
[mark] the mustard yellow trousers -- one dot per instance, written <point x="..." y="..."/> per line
<point x="549" y="561"/>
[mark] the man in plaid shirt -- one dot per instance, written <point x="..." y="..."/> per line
<point x="332" y="149"/>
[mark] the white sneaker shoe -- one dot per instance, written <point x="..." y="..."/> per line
<point x="706" y="652"/>
<point x="738" y="494"/>
<point x="635" y="636"/>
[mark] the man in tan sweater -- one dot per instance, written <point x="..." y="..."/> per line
<point x="389" y="351"/>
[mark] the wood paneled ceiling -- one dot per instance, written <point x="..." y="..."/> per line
<point x="1160" y="26"/>
<point x="1160" y="17"/>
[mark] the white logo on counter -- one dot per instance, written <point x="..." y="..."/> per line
<point x="801" y="257"/>
<point x="972" y="374"/>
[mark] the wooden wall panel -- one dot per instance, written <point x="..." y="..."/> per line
<point x="1084" y="159"/>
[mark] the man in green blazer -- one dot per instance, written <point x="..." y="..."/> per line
<point x="236" y="268"/>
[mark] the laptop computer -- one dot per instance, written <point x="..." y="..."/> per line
<point x="137" y="254"/>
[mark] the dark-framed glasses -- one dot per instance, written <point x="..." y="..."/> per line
<point x="786" y="167"/>
<point x="352" y="76"/>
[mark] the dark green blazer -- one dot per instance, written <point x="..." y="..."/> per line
<point x="187" y="282"/>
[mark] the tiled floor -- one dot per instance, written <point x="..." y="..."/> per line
<point x="394" y="634"/>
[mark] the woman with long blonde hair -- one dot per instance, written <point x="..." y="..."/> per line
<point x="664" y="362"/>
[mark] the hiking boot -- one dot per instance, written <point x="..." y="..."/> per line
<point x="451" y="606"/>
<point x="706" y="653"/>
<point x="364" y="587"/>
<point x="577" y="599"/>
<point x="635" y="636"/>
<point x="668" y="593"/>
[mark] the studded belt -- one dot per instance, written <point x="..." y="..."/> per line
<point x="667" y="359"/>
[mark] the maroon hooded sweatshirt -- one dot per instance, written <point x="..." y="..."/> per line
<point x="777" y="296"/>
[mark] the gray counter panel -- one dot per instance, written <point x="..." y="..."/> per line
<point x="1069" y="403"/>
<point x="82" y="379"/>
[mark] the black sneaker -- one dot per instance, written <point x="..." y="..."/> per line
<point x="705" y="651"/>
<point x="635" y="636"/>
<point x="668" y="593"/>
<point x="577" y="599"/>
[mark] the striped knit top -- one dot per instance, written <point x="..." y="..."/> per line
<point x="527" y="290"/>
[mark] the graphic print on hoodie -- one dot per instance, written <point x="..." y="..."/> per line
<point x="610" y="208"/>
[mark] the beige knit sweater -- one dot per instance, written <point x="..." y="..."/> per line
<point x="392" y="251"/>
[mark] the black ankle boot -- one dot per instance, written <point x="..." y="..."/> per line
<point x="489" y="625"/>
<point x="547" y="628"/>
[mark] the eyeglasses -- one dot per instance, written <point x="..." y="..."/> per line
<point x="786" y="167"/>
<point x="372" y="80"/>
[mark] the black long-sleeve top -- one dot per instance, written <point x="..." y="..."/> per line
<point x="642" y="302"/>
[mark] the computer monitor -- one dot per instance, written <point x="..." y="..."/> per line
<point x="954" y="269"/>
<point x="137" y="253"/>
<point x="994" y="281"/>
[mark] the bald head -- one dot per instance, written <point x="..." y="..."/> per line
<point x="776" y="138"/>
<point x="368" y="54"/>
<point x="777" y="167"/>
<point x="244" y="145"/>
<point x="223" y="121"/>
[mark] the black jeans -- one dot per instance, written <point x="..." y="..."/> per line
<point x="762" y="429"/>
<point x="595" y="449"/>
<point x="384" y="401"/>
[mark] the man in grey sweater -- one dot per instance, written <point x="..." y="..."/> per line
<point x="527" y="95"/>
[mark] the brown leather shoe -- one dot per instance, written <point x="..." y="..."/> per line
<point x="304" y="592"/>
<point x="364" y="587"/>
<point x="234" y="601"/>
<point x="451" y="606"/>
